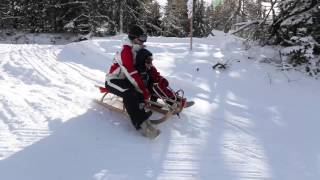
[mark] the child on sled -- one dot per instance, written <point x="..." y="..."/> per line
<point x="157" y="85"/>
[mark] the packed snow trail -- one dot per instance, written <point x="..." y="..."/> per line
<point x="250" y="121"/>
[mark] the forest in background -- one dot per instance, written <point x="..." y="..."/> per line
<point x="292" y="24"/>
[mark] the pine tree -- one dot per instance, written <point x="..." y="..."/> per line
<point x="7" y="14"/>
<point x="34" y="15"/>
<point x="223" y="13"/>
<point x="13" y="14"/>
<point x="201" y="25"/>
<point x="152" y="18"/>
<point x="297" y="27"/>
<point x="175" y="21"/>
<point x="107" y="24"/>
<point x="210" y="19"/>
<point x="133" y="13"/>
<point x="88" y="17"/>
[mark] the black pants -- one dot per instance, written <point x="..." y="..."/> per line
<point x="131" y="100"/>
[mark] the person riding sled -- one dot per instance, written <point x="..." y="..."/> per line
<point x="152" y="79"/>
<point x="124" y="80"/>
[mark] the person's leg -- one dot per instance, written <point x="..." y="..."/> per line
<point x="134" y="104"/>
<point x="132" y="100"/>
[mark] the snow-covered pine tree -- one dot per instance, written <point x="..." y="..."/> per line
<point x="133" y="13"/>
<point x="315" y="32"/>
<point x="76" y="16"/>
<point x="152" y="17"/>
<point x="34" y="16"/>
<point x="297" y="27"/>
<point x="224" y="13"/>
<point x="88" y="17"/>
<point x="98" y="17"/>
<point x="102" y="21"/>
<point x="13" y="14"/>
<point x="175" y="21"/>
<point x="7" y="16"/>
<point x="251" y="10"/>
<point x="209" y="16"/>
<point x="53" y="19"/>
<point x="201" y="24"/>
<point x="228" y="13"/>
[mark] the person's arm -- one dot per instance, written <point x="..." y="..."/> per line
<point x="157" y="78"/>
<point x="162" y="82"/>
<point x="134" y="77"/>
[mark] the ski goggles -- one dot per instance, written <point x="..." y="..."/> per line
<point x="142" y="38"/>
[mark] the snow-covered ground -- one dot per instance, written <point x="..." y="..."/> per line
<point x="250" y="121"/>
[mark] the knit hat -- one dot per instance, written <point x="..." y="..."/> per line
<point x="136" y="31"/>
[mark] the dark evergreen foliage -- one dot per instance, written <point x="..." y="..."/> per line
<point x="99" y="17"/>
<point x="102" y="17"/>
<point x="175" y="21"/>
<point x="201" y="23"/>
<point x="297" y="28"/>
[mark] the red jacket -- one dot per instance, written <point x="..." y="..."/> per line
<point x="161" y="81"/>
<point x="123" y="67"/>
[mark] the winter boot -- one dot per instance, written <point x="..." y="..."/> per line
<point x="188" y="104"/>
<point x="184" y="102"/>
<point x="148" y="130"/>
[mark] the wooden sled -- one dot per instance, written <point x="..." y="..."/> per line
<point x="114" y="103"/>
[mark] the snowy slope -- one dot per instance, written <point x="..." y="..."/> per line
<point x="249" y="122"/>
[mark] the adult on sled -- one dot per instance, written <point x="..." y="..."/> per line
<point x="124" y="80"/>
<point x="154" y="81"/>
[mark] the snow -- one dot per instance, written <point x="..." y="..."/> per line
<point x="250" y="121"/>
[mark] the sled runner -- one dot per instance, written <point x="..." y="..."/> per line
<point x="165" y="106"/>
